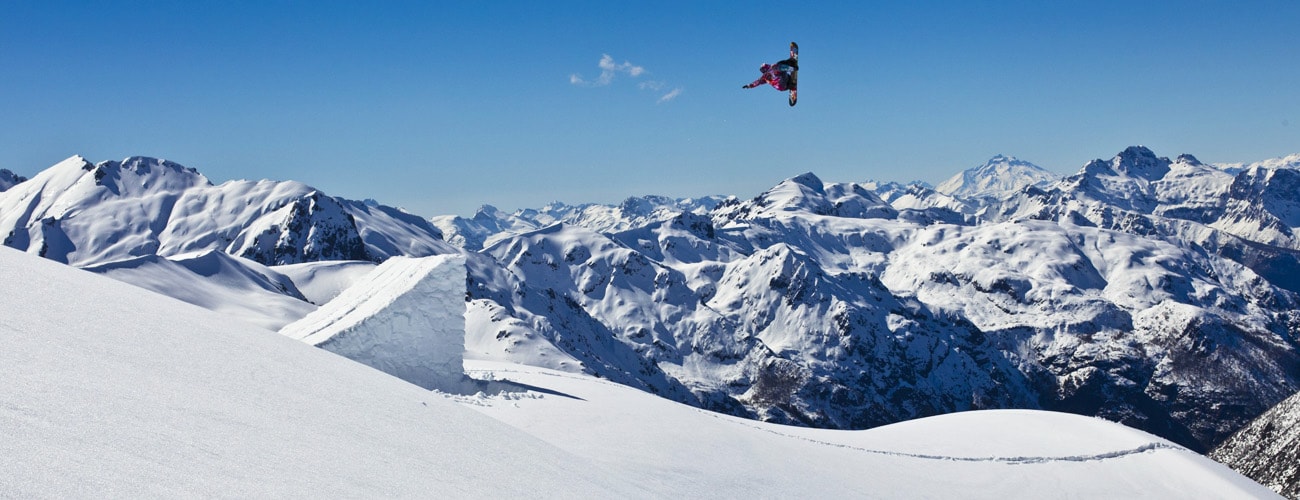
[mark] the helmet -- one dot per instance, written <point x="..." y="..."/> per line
<point x="765" y="67"/>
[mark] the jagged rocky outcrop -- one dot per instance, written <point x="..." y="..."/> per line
<point x="307" y="229"/>
<point x="9" y="179"/>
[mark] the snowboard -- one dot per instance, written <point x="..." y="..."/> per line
<point x="794" y="76"/>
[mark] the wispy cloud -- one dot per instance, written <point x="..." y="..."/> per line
<point x="672" y="94"/>
<point x="609" y="70"/>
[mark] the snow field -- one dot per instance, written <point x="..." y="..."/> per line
<point x="110" y="391"/>
<point x="686" y="451"/>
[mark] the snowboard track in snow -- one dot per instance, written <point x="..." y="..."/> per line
<point x="495" y="375"/>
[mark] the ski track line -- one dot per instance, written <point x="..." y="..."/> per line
<point x="1023" y="460"/>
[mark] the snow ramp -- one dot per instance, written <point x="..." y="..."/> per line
<point x="405" y="318"/>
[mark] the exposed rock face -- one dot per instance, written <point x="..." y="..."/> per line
<point x="1268" y="450"/>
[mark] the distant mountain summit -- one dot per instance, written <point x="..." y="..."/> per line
<point x="9" y="179"/>
<point x="999" y="176"/>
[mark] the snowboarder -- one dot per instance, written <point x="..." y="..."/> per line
<point x="784" y="75"/>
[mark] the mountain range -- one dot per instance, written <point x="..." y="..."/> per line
<point x="1158" y="293"/>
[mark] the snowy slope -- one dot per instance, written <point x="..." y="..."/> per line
<point x="167" y="399"/>
<point x="321" y="281"/>
<point x="112" y="391"/>
<point x="229" y="285"/>
<point x="1268" y="450"/>
<point x="687" y="452"/>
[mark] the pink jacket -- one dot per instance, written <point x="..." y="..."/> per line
<point x="772" y="76"/>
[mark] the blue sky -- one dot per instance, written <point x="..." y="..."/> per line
<point x="440" y="107"/>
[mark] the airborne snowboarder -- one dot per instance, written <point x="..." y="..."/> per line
<point x="784" y="75"/>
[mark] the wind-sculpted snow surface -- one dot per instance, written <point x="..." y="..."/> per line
<point x="984" y="454"/>
<point x="406" y="318"/>
<point x="219" y="282"/>
<point x="85" y="214"/>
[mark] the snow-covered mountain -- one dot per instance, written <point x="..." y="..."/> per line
<point x="9" y="179"/>
<point x="826" y="307"/>
<point x="490" y="224"/>
<point x="996" y="178"/>
<point x="1116" y="292"/>
<point x="1268" y="450"/>
<point x="166" y="399"/>
<point x="1248" y="218"/>
<point x="87" y="214"/>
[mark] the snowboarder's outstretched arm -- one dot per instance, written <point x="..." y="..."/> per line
<point x="761" y="80"/>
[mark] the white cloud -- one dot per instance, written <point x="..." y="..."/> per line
<point x="609" y="70"/>
<point x="670" y="95"/>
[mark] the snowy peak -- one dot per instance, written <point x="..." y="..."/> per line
<point x="1142" y="163"/>
<point x="307" y="229"/>
<point x="997" y="177"/>
<point x="1187" y="159"/>
<point x="135" y="176"/>
<point x="9" y="179"/>
<point x="807" y="194"/>
<point x="87" y="214"/>
<point x="802" y="193"/>
<point x="1273" y="189"/>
